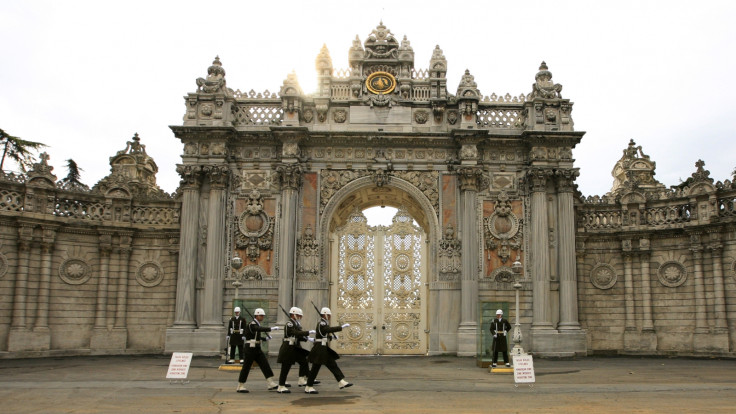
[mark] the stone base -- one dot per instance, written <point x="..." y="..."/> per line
<point x="467" y="341"/>
<point x="202" y="341"/>
<point x="710" y="342"/>
<point x="104" y="341"/>
<point x="22" y="339"/>
<point x="640" y="341"/>
<point x="561" y="344"/>
<point x="443" y="344"/>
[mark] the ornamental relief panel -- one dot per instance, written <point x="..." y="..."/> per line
<point x="307" y="251"/>
<point x="603" y="276"/>
<point x="502" y="229"/>
<point x="408" y="154"/>
<point x="254" y="228"/>
<point x="254" y="180"/>
<point x="450" y="255"/>
<point x="672" y="274"/>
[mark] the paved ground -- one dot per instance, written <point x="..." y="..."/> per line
<point x="137" y="384"/>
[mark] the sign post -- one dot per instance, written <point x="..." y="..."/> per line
<point x="179" y="366"/>
<point x="523" y="370"/>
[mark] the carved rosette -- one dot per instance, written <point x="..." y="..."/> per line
<point x="74" y="271"/>
<point x="289" y="176"/>
<point x="149" y="274"/>
<point x="672" y="274"/>
<point x="307" y="255"/>
<point x="503" y="228"/>
<point x="503" y="274"/>
<point x="254" y="229"/>
<point x="603" y="276"/>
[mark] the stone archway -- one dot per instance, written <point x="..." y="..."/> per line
<point x="392" y="267"/>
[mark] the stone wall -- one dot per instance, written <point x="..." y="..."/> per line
<point x="87" y="271"/>
<point x="656" y="267"/>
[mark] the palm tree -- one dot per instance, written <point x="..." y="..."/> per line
<point x="18" y="150"/>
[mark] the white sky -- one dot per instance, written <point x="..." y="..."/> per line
<point x="84" y="76"/>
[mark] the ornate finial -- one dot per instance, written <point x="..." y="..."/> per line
<point x="437" y="53"/>
<point x="324" y="61"/>
<point x="543" y="87"/>
<point x="215" y="81"/>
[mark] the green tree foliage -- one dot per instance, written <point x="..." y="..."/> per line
<point x="73" y="170"/>
<point x="18" y="150"/>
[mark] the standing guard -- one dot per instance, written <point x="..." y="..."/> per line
<point x="322" y="353"/>
<point x="499" y="328"/>
<point x="234" y="336"/>
<point x="291" y="350"/>
<point x="253" y="351"/>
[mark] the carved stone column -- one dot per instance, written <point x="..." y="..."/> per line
<point x="100" y="339"/>
<point x="701" y="311"/>
<point x="566" y="252"/>
<point x="470" y="178"/>
<point x="189" y="242"/>
<point x="19" y="336"/>
<point x="290" y="178"/>
<point x="540" y="250"/>
<point x="215" y="253"/>
<point x="126" y="268"/>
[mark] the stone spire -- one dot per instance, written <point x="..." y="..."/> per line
<point x="323" y="63"/>
<point x="468" y="89"/>
<point x="635" y="170"/>
<point x="132" y="172"/>
<point x="438" y="63"/>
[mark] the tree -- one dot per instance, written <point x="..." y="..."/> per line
<point x="73" y="170"/>
<point x="18" y="150"/>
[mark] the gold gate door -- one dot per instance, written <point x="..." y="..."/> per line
<point x="380" y="279"/>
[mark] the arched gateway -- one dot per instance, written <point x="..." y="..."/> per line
<point x="280" y="179"/>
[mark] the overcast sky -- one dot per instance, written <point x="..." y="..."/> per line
<point x="84" y="76"/>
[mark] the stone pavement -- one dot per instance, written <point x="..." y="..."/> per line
<point x="137" y="384"/>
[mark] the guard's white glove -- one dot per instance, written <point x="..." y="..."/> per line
<point x="310" y="339"/>
<point x="275" y="328"/>
<point x="227" y="338"/>
<point x="312" y="332"/>
<point x="345" y="325"/>
<point x="243" y="339"/>
<point x="495" y="335"/>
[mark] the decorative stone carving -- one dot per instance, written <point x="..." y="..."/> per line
<point x="254" y="229"/>
<point x="733" y="270"/>
<point x="450" y="255"/>
<point x="3" y="265"/>
<point x="470" y="178"/>
<point x="381" y="177"/>
<point x="307" y="255"/>
<point x="543" y="87"/>
<point x="672" y="273"/>
<point x="215" y="82"/>
<point x="634" y="171"/>
<point x="74" y="271"/>
<point x="340" y="116"/>
<point x="502" y="229"/>
<point x="252" y="272"/>
<point x="217" y="174"/>
<point x="426" y="182"/>
<point x="421" y="117"/>
<point x="289" y="175"/>
<point x="452" y="117"/>
<point x="603" y="276"/>
<point x="308" y="116"/>
<point x="149" y="274"/>
<point x="503" y="274"/>
<point x="41" y="174"/>
<point x="333" y="180"/>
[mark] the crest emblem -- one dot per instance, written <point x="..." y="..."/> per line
<point x="381" y="83"/>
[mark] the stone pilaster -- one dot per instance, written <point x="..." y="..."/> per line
<point x="215" y="253"/>
<point x="290" y="178"/>
<point x="188" y="245"/>
<point x="470" y="181"/>
<point x="566" y="253"/>
<point x="540" y="250"/>
<point x="719" y="298"/>
<point x="41" y="332"/>
<point x="20" y="337"/>
<point x="99" y="340"/>
<point x="646" y="293"/>
<point x="629" y="288"/>
<point x="701" y="311"/>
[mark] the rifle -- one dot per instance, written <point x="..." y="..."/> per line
<point x="320" y="315"/>
<point x="254" y="318"/>
<point x="285" y="312"/>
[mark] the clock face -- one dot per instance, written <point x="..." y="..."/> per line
<point x="381" y="83"/>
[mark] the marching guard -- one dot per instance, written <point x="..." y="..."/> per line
<point x="499" y="328"/>
<point x="292" y="352"/>
<point x="322" y="354"/>
<point x="253" y="351"/>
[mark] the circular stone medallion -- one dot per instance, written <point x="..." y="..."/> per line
<point x="74" y="271"/>
<point x="3" y="265"/>
<point x="672" y="274"/>
<point x="603" y="276"/>
<point x="149" y="274"/>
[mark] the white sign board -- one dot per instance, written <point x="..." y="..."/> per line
<point x="179" y="365"/>
<point x="523" y="369"/>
